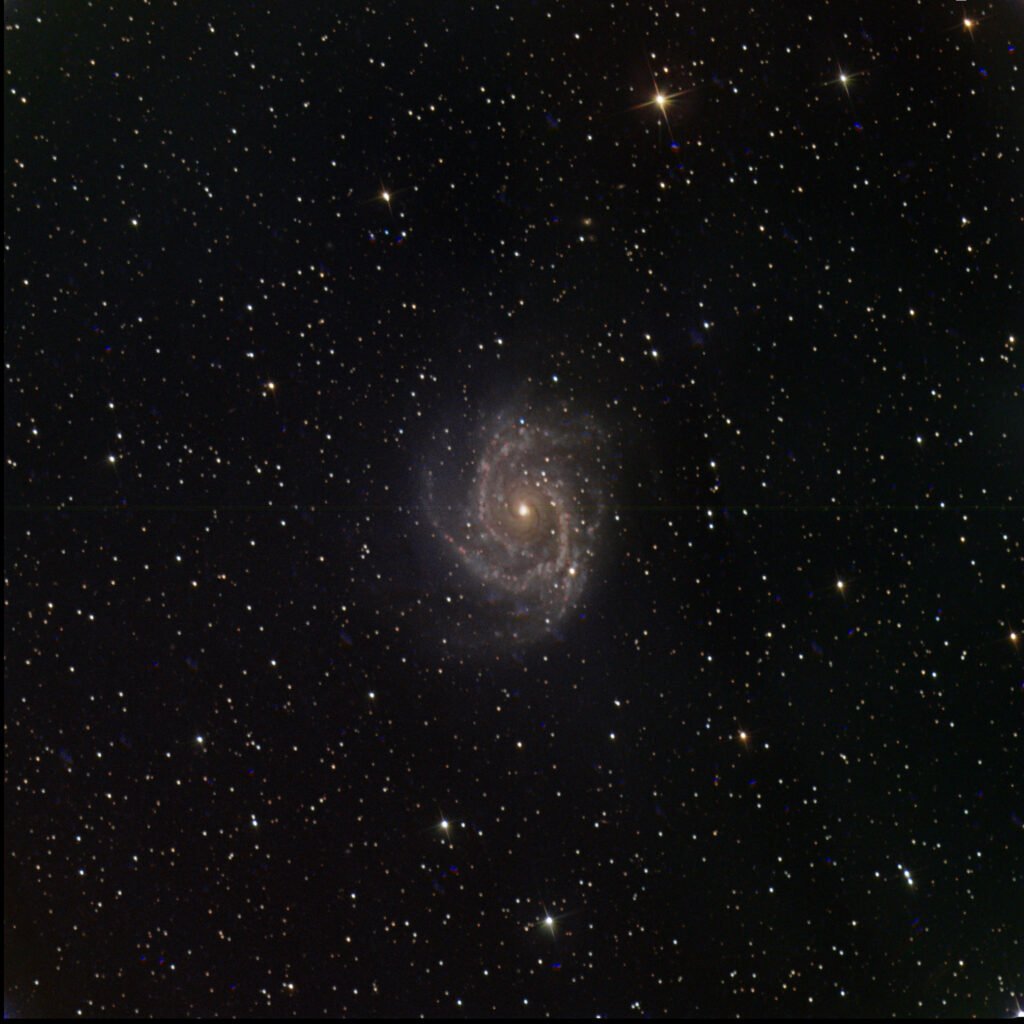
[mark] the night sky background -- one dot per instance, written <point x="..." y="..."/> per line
<point x="267" y="266"/>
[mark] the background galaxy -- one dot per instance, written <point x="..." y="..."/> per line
<point x="513" y="509"/>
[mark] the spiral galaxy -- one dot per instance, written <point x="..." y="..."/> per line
<point x="521" y="529"/>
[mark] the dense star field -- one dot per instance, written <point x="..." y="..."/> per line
<point x="514" y="509"/>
